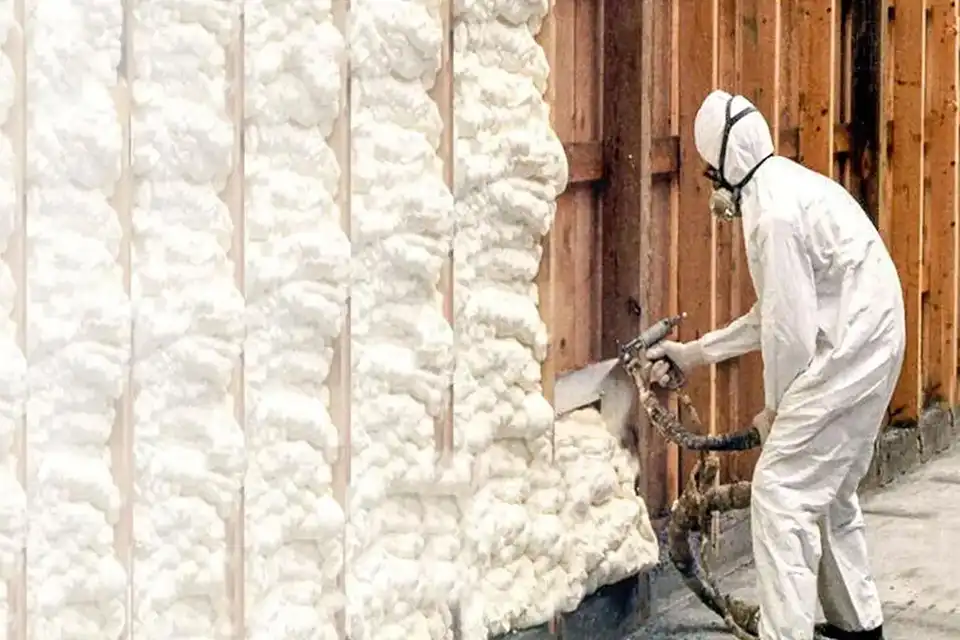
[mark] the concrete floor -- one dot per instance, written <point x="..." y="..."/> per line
<point x="914" y="531"/>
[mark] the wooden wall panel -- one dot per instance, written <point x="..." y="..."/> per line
<point x="761" y="83"/>
<point x="816" y="33"/>
<point x="726" y="236"/>
<point x="906" y="205"/>
<point x="941" y="202"/>
<point x="695" y="230"/>
<point x="549" y="271"/>
<point x="841" y="83"/>
<point x="576" y="328"/>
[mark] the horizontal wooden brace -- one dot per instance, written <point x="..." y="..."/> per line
<point x="585" y="159"/>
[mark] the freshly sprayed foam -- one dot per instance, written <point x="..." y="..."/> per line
<point x="189" y="454"/>
<point x="523" y="520"/>
<point x="404" y="547"/>
<point x="297" y="271"/>
<point x="78" y="320"/>
<point x="536" y="545"/>
<point x="12" y="361"/>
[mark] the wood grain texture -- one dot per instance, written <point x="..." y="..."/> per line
<point x="760" y="83"/>
<point x="941" y="212"/>
<point x="726" y="282"/>
<point x="695" y="229"/>
<point x="816" y="33"/>
<point x="340" y="380"/>
<point x="906" y="205"/>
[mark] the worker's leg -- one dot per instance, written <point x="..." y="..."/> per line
<point x="848" y="593"/>
<point x="795" y="480"/>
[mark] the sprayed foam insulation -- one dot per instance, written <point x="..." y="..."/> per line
<point x="189" y="449"/>
<point x="520" y="522"/>
<point x="404" y="548"/>
<point x="78" y="320"/>
<point x="13" y="364"/>
<point x="297" y="272"/>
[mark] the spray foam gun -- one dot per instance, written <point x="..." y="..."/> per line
<point x="633" y="353"/>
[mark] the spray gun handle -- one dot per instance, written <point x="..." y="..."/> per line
<point x="676" y="377"/>
<point x="652" y="336"/>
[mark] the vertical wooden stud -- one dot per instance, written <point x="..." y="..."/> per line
<point x="442" y="95"/>
<point x="942" y="212"/>
<point x="122" y="202"/>
<point x="546" y="278"/>
<point x="695" y="221"/>
<point x="340" y="380"/>
<point x="760" y="83"/>
<point x="907" y="165"/>
<point x="817" y="51"/>
<point x="547" y="275"/>
<point x="635" y="243"/>
<point x="726" y="236"/>
<point x="674" y="481"/>
<point x="567" y="318"/>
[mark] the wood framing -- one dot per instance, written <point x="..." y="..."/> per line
<point x="546" y="277"/>
<point x="340" y="380"/>
<point x="906" y="205"/>
<point x="442" y="95"/>
<point x="728" y="29"/>
<point x="841" y="83"/>
<point x="121" y="439"/>
<point x="760" y="83"/>
<point x="695" y="223"/>
<point x="817" y="78"/>
<point x="635" y="240"/>
<point x="941" y="202"/>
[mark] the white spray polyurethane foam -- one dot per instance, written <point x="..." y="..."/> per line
<point x="542" y="534"/>
<point x="607" y="524"/>
<point x="189" y="455"/>
<point x="297" y="271"/>
<point x="12" y="361"/>
<point x="404" y="543"/>
<point x="78" y="318"/>
<point x="510" y="170"/>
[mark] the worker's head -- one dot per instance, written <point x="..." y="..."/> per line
<point x="733" y="138"/>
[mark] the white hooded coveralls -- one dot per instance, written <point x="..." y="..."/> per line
<point x="829" y="322"/>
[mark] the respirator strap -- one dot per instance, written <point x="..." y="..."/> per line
<point x="727" y="126"/>
<point x="740" y="185"/>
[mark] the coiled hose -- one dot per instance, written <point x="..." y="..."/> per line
<point x="692" y="512"/>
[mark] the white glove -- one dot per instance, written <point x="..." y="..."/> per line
<point x="686" y="356"/>
<point x="763" y="422"/>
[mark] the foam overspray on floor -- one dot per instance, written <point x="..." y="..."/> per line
<point x="522" y="519"/>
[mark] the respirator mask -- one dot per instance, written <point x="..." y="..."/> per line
<point x="726" y="197"/>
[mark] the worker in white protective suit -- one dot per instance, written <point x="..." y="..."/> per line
<point x="829" y="323"/>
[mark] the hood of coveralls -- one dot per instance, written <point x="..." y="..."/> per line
<point x="749" y="141"/>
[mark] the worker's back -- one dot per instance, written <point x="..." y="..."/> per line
<point x="858" y="291"/>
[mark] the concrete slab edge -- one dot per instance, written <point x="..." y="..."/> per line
<point x="616" y="611"/>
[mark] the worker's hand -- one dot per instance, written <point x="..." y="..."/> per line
<point x="686" y="356"/>
<point x="763" y="422"/>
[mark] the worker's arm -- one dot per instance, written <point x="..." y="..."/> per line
<point x="788" y="307"/>
<point x="737" y="338"/>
